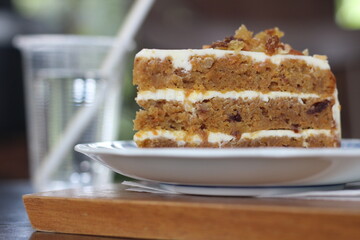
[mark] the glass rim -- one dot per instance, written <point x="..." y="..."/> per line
<point x="31" y="40"/>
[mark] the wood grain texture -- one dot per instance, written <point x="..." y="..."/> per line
<point x="111" y="211"/>
<point x="66" y="236"/>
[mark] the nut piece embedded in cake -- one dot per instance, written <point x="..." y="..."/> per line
<point x="244" y="91"/>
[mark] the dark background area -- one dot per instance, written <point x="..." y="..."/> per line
<point x="322" y="26"/>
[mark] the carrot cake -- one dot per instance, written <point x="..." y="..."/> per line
<point x="243" y="91"/>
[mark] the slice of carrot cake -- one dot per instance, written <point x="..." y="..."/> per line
<point x="244" y="91"/>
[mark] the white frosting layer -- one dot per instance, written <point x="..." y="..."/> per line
<point x="181" y="58"/>
<point x="285" y="133"/>
<point x="179" y="136"/>
<point x="336" y="113"/>
<point x="197" y="96"/>
<point x="217" y="137"/>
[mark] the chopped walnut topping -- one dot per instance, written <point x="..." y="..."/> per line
<point x="243" y="33"/>
<point x="321" y="57"/>
<point x="286" y="50"/>
<point x="295" y="52"/>
<point x="236" y="45"/>
<point x="272" y="44"/>
<point x="305" y="52"/>
<point x="267" y="41"/>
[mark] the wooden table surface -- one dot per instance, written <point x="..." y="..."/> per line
<point x="111" y="211"/>
<point x="14" y="223"/>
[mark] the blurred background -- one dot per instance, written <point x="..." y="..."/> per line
<point x="323" y="26"/>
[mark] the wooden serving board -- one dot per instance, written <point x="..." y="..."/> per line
<point x="112" y="211"/>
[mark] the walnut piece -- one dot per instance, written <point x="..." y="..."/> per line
<point x="208" y="62"/>
<point x="305" y="52"/>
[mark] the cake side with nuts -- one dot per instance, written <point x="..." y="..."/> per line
<point x="243" y="91"/>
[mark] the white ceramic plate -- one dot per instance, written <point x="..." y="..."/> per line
<point x="251" y="167"/>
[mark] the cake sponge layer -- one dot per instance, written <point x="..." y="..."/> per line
<point x="237" y="116"/>
<point x="231" y="70"/>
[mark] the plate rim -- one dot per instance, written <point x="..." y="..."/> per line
<point x="265" y="152"/>
<point x="249" y="186"/>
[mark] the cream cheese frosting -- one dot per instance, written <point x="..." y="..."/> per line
<point x="198" y="96"/>
<point x="181" y="58"/>
<point x="336" y="114"/>
<point x="181" y="137"/>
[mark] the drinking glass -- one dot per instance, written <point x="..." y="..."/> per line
<point x="62" y="77"/>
